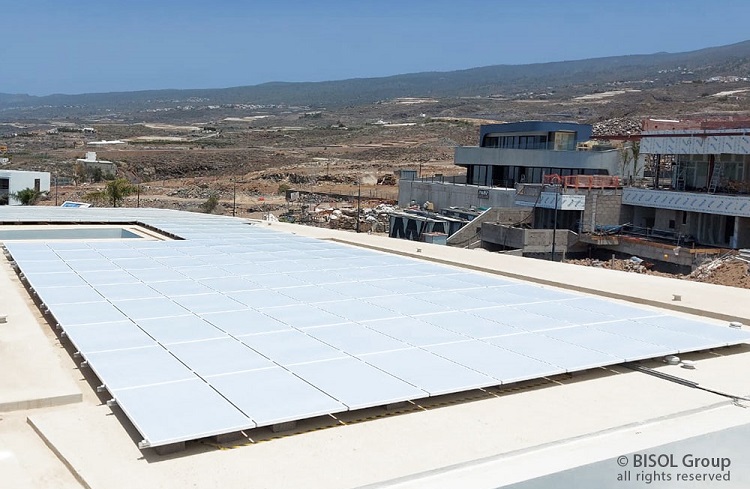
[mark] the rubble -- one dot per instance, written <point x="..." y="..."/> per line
<point x="730" y="270"/>
<point x="617" y="126"/>
<point x="373" y="220"/>
<point x="630" y="265"/>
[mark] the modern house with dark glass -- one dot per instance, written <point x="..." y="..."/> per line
<point x="510" y="154"/>
<point x="544" y="184"/>
<point x="523" y="152"/>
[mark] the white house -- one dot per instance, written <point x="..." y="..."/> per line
<point x="90" y="162"/>
<point x="12" y="181"/>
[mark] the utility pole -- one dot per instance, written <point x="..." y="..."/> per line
<point x="55" y="189"/>
<point x="359" y="199"/>
<point x="234" y="198"/>
<point x="554" y="225"/>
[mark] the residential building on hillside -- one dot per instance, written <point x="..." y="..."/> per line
<point x="509" y="154"/>
<point x="547" y="170"/>
<point x="92" y="165"/>
<point x="523" y="152"/>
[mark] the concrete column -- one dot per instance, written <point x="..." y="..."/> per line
<point x="734" y="240"/>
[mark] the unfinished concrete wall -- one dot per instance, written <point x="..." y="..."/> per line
<point x="666" y="220"/>
<point x="529" y="240"/>
<point x="448" y="195"/>
<point x="603" y="207"/>
<point x="469" y="235"/>
<point x="643" y="216"/>
<point x="682" y="223"/>
<point x="626" y="214"/>
<point x="502" y="236"/>
<point x="540" y="240"/>
<point x="743" y="232"/>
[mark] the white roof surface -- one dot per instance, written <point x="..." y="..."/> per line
<point x="508" y="331"/>
<point x="599" y="408"/>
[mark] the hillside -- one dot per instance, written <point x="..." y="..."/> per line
<point x="549" y="81"/>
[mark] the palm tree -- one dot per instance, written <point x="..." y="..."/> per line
<point x="114" y="192"/>
<point x="27" y="196"/>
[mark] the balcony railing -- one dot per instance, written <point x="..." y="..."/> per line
<point x="583" y="181"/>
<point x="454" y="179"/>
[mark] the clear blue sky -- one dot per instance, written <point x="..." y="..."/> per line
<point x="78" y="46"/>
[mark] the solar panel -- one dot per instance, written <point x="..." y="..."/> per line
<point x="134" y="367"/>
<point x="219" y="356"/>
<point x="179" y="411"/>
<point x="542" y="347"/>
<point x="415" y="332"/>
<point x="355" y="339"/>
<point x="428" y="371"/>
<point x="357" y="384"/>
<point x="114" y="335"/>
<point x="286" y="397"/>
<point x="244" y="322"/>
<point x="241" y="326"/>
<point x="503" y="365"/>
<point x="178" y="329"/>
<point x="291" y="346"/>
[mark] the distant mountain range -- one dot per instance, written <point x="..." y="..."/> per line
<point x="567" y="78"/>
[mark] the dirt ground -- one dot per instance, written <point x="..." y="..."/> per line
<point x="249" y="168"/>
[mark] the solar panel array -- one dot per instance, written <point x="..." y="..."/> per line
<point x="240" y="326"/>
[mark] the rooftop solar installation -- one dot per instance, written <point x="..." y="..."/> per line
<point x="237" y="326"/>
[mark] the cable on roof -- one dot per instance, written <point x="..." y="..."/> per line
<point x="681" y="381"/>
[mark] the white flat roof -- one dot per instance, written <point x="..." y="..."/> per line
<point x="504" y="436"/>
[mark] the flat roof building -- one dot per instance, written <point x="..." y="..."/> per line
<point x="13" y="181"/>
<point x="59" y="432"/>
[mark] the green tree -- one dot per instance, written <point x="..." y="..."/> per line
<point x="635" y="149"/>
<point x="629" y="160"/>
<point x="114" y="192"/>
<point x="625" y="158"/>
<point x="27" y="196"/>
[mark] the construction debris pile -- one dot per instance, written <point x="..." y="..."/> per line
<point x="617" y="127"/>
<point x="634" y="265"/>
<point x="372" y="219"/>
<point x="732" y="270"/>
